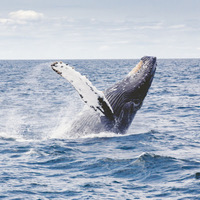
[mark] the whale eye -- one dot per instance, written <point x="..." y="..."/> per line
<point x="137" y="103"/>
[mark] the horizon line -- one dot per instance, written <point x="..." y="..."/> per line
<point x="94" y="58"/>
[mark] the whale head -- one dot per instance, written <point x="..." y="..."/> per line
<point x="126" y="97"/>
<point x="140" y="78"/>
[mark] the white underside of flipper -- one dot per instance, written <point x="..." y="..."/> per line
<point x="94" y="98"/>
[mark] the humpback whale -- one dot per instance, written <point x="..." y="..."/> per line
<point x="114" y="109"/>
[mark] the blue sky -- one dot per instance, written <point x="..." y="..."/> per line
<point x="96" y="29"/>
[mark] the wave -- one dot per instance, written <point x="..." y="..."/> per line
<point x="150" y="167"/>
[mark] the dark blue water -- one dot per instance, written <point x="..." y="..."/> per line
<point x="159" y="157"/>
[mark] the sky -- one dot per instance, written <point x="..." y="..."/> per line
<point x="99" y="29"/>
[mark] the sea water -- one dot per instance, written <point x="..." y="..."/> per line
<point x="158" y="158"/>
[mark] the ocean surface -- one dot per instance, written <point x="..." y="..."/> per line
<point x="158" y="158"/>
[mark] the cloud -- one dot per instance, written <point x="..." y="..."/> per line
<point x="26" y="15"/>
<point x="5" y="21"/>
<point x="22" y="17"/>
<point x="151" y="26"/>
<point x="178" y="26"/>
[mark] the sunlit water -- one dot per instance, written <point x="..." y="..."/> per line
<point x="159" y="157"/>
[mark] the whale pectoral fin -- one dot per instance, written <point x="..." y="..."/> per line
<point x="94" y="98"/>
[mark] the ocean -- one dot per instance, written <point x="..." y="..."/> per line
<point x="158" y="158"/>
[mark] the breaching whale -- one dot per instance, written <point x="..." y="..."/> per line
<point x="114" y="109"/>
